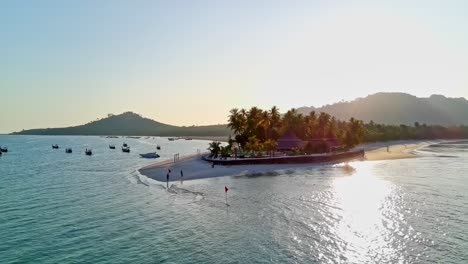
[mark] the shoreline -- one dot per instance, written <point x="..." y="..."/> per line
<point x="194" y="167"/>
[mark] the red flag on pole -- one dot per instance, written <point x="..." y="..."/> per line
<point x="226" y="189"/>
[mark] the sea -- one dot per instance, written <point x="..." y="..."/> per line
<point x="72" y="208"/>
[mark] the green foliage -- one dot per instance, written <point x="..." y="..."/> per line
<point x="319" y="146"/>
<point x="225" y="151"/>
<point x="214" y="148"/>
<point x="268" y="126"/>
<point x="269" y="146"/>
<point x="377" y="132"/>
<point x="256" y="130"/>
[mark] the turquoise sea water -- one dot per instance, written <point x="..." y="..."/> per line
<point x="71" y="208"/>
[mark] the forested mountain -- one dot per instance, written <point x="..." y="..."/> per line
<point x="399" y="108"/>
<point x="130" y="124"/>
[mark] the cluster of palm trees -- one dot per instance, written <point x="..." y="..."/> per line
<point x="258" y="130"/>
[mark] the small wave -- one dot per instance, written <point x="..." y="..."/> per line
<point x="446" y="156"/>
<point x="260" y="174"/>
<point x="177" y="190"/>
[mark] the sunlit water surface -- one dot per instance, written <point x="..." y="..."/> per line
<point x="72" y="208"/>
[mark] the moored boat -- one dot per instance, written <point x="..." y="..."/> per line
<point x="126" y="149"/>
<point x="68" y="150"/>
<point x="55" y="146"/>
<point x="151" y="155"/>
<point x="3" y="149"/>
<point x="88" y="152"/>
<point x="125" y="145"/>
<point x="112" y="146"/>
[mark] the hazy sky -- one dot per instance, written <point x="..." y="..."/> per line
<point x="188" y="62"/>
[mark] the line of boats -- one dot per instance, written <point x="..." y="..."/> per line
<point x="89" y="152"/>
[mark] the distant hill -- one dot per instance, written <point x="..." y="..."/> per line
<point x="400" y="108"/>
<point x="130" y="124"/>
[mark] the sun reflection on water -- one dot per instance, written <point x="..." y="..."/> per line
<point x="362" y="200"/>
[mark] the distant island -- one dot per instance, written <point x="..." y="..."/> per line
<point x="130" y="124"/>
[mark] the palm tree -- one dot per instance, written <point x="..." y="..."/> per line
<point x="225" y="151"/>
<point x="214" y="148"/>
<point x="275" y="122"/>
<point x="270" y="146"/>
<point x="265" y="123"/>
<point x="237" y="121"/>
<point x="323" y="121"/>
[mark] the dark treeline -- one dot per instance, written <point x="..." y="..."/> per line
<point x="259" y="130"/>
<point x="378" y="132"/>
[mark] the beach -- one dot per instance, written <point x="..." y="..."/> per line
<point x="193" y="167"/>
<point x="395" y="150"/>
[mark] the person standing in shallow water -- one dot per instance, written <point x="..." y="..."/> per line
<point x="167" y="180"/>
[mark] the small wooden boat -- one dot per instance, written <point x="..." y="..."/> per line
<point x="68" y="150"/>
<point x="88" y="152"/>
<point x="151" y="155"/>
<point x="112" y="146"/>
<point x="3" y="149"/>
<point x="126" y="149"/>
<point x="158" y="147"/>
<point x="55" y="146"/>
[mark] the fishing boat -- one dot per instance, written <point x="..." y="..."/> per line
<point x="3" y="149"/>
<point x="125" y="145"/>
<point x="171" y="139"/>
<point x="88" y="152"/>
<point x="188" y="139"/>
<point x="112" y="146"/>
<point x="151" y="155"/>
<point x="68" y="150"/>
<point x="158" y="147"/>
<point x="126" y="149"/>
<point x="55" y="146"/>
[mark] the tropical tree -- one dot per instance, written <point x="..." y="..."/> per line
<point x="270" y="146"/>
<point x="214" y="148"/>
<point x="237" y="121"/>
<point x="265" y="123"/>
<point x="253" y="144"/>
<point x="225" y="151"/>
<point x="275" y="122"/>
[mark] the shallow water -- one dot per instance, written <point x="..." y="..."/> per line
<point x="69" y="208"/>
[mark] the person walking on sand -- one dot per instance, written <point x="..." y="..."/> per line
<point x="388" y="148"/>
<point x="181" y="176"/>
